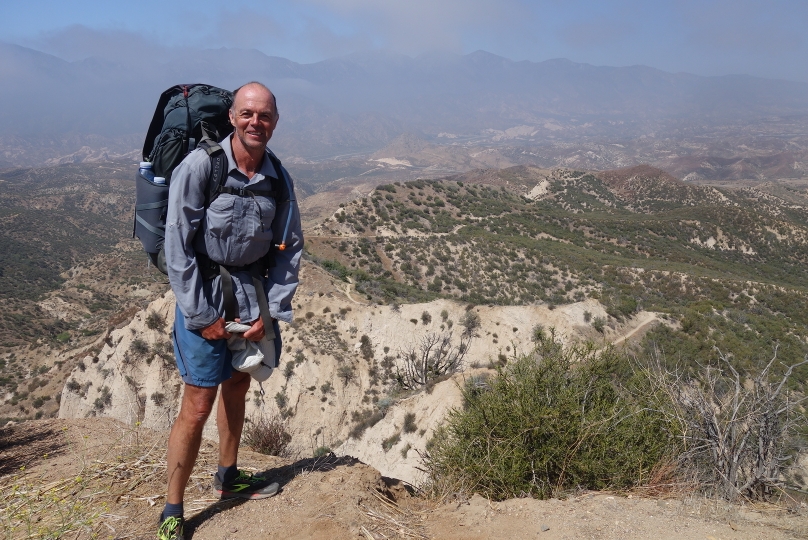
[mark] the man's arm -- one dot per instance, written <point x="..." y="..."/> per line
<point x="283" y="277"/>
<point x="186" y="210"/>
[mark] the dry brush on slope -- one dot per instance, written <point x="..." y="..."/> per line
<point x="742" y="431"/>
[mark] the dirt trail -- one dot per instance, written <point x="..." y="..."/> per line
<point x="96" y="478"/>
<point x="347" y="291"/>
<point x="645" y="319"/>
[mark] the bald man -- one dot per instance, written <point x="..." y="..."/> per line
<point x="244" y="248"/>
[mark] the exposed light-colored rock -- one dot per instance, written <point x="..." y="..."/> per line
<point x="146" y="388"/>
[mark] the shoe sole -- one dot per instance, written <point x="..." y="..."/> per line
<point x="264" y="493"/>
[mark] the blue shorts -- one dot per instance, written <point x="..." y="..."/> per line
<point x="201" y="362"/>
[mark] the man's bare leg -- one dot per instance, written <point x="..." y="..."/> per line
<point x="185" y="438"/>
<point x="230" y="416"/>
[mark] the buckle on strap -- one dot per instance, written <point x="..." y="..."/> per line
<point x="240" y="191"/>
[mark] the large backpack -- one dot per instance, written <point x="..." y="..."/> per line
<point x="187" y="117"/>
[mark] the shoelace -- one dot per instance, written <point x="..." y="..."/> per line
<point x="168" y="527"/>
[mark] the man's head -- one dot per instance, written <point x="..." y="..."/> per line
<point x="254" y="115"/>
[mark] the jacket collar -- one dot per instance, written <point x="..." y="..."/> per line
<point x="266" y="168"/>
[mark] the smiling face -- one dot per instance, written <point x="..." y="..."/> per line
<point x="254" y="118"/>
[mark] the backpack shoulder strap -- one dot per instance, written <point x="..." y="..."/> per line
<point x="285" y="195"/>
<point x="218" y="169"/>
<point x="279" y="186"/>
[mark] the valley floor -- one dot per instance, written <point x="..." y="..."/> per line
<point x="97" y="478"/>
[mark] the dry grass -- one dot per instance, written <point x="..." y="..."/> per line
<point x="267" y="434"/>
<point x="88" y="484"/>
<point x="93" y="484"/>
<point x="388" y="520"/>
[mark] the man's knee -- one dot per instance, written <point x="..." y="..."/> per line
<point x="237" y="385"/>
<point x="197" y="403"/>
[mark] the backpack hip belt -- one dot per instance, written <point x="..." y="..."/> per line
<point x="258" y="271"/>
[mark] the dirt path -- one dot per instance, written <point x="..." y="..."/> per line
<point x="646" y="318"/>
<point x="347" y="291"/>
<point x="96" y="478"/>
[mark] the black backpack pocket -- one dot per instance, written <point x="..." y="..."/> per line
<point x="169" y="149"/>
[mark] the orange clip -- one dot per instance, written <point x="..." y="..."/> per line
<point x="281" y="247"/>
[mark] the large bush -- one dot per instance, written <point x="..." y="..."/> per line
<point x="555" y="420"/>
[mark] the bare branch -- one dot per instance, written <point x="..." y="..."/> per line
<point x="433" y="357"/>
<point x="737" y="436"/>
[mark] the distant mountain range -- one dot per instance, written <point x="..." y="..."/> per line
<point x="53" y="108"/>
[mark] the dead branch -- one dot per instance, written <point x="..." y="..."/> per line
<point x="434" y="357"/>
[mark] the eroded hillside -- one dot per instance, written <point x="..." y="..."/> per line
<point x="338" y="386"/>
<point x="716" y="263"/>
<point x="524" y="250"/>
<point x="68" y="275"/>
<point x="724" y="263"/>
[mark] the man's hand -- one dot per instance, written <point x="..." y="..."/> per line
<point x="216" y="331"/>
<point x="256" y="331"/>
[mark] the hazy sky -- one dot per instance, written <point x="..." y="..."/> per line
<point x="708" y="37"/>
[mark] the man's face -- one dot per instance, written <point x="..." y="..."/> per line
<point x="254" y="117"/>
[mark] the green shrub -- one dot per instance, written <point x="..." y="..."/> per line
<point x="103" y="400"/>
<point x="154" y="320"/>
<point x="470" y="322"/>
<point x="391" y="441"/>
<point x="363" y="420"/>
<point x="409" y="423"/>
<point x="346" y="374"/>
<point x="163" y="348"/>
<point x="551" y="421"/>
<point x="366" y="347"/>
<point x="321" y="451"/>
<point x="139" y="347"/>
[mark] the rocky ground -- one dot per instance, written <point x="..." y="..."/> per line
<point x="98" y="478"/>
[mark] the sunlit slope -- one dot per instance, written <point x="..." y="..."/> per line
<point x="728" y="267"/>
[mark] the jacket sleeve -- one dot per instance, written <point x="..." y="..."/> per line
<point x="283" y="276"/>
<point x="186" y="210"/>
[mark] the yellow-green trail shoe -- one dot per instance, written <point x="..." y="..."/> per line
<point x="171" y="529"/>
<point x="246" y="486"/>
